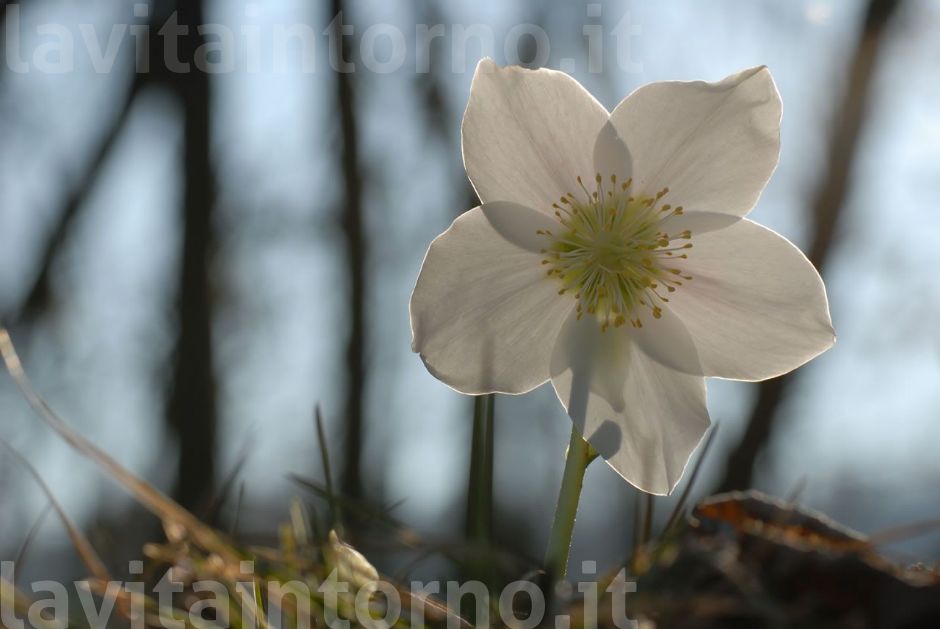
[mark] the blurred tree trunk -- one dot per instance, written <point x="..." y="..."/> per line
<point x="355" y="263"/>
<point x="827" y="210"/>
<point x="191" y="404"/>
<point x="3" y="15"/>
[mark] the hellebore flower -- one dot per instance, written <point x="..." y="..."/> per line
<point x="611" y="256"/>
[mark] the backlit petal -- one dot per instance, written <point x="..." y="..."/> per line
<point x="484" y="315"/>
<point x="528" y="133"/>
<point x="644" y="418"/>
<point x="714" y="145"/>
<point x="756" y="307"/>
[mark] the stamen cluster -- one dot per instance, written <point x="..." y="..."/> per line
<point x="613" y="253"/>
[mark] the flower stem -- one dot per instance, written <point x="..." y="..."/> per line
<point x="480" y="491"/>
<point x="479" y="566"/>
<point x="579" y="456"/>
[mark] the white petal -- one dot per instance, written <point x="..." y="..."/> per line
<point x="644" y="418"/>
<point x="756" y="307"/>
<point x="527" y="134"/>
<point x="484" y="315"/>
<point x="714" y="145"/>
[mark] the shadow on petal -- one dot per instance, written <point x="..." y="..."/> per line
<point x="607" y="439"/>
<point x="611" y="155"/>
<point x="668" y="341"/>
<point x="648" y="428"/>
<point x="597" y="361"/>
<point x="519" y="224"/>
<point x="698" y="222"/>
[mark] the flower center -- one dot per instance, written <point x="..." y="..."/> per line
<point x="614" y="254"/>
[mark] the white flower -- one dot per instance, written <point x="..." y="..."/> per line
<point x="611" y="256"/>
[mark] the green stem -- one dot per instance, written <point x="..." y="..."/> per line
<point x="478" y="566"/>
<point x="480" y="491"/>
<point x="579" y="456"/>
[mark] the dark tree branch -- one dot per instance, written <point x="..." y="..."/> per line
<point x="191" y="405"/>
<point x="355" y="265"/>
<point x="828" y="209"/>
<point x="39" y="297"/>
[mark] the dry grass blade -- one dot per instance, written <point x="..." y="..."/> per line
<point x="679" y="509"/>
<point x="82" y="546"/>
<point x="11" y="597"/>
<point x="906" y="531"/>
<point x="435" y="610"/>
<point x="153" y="499"/>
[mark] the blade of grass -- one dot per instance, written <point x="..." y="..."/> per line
<point x="150" y="497"/>
<point x="82" y="546"/>
<point x="336" y="516"/>
<point x="258" y="609"/>
<point x="233" y="530"/>
<point x="31" y="535"/>
<point x="637" y="525"/>
<point x="228" y="483"/>
<point x="350" y="504"/>
<point x="649" y="509"/>
<point x="798" y="489"/>
<point x="300" y="524"/>
<point x="679" y="509"/>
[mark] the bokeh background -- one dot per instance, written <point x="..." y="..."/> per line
<point x="191" y="263"/>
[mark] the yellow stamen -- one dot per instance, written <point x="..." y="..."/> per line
<point x="612" y="254"/>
